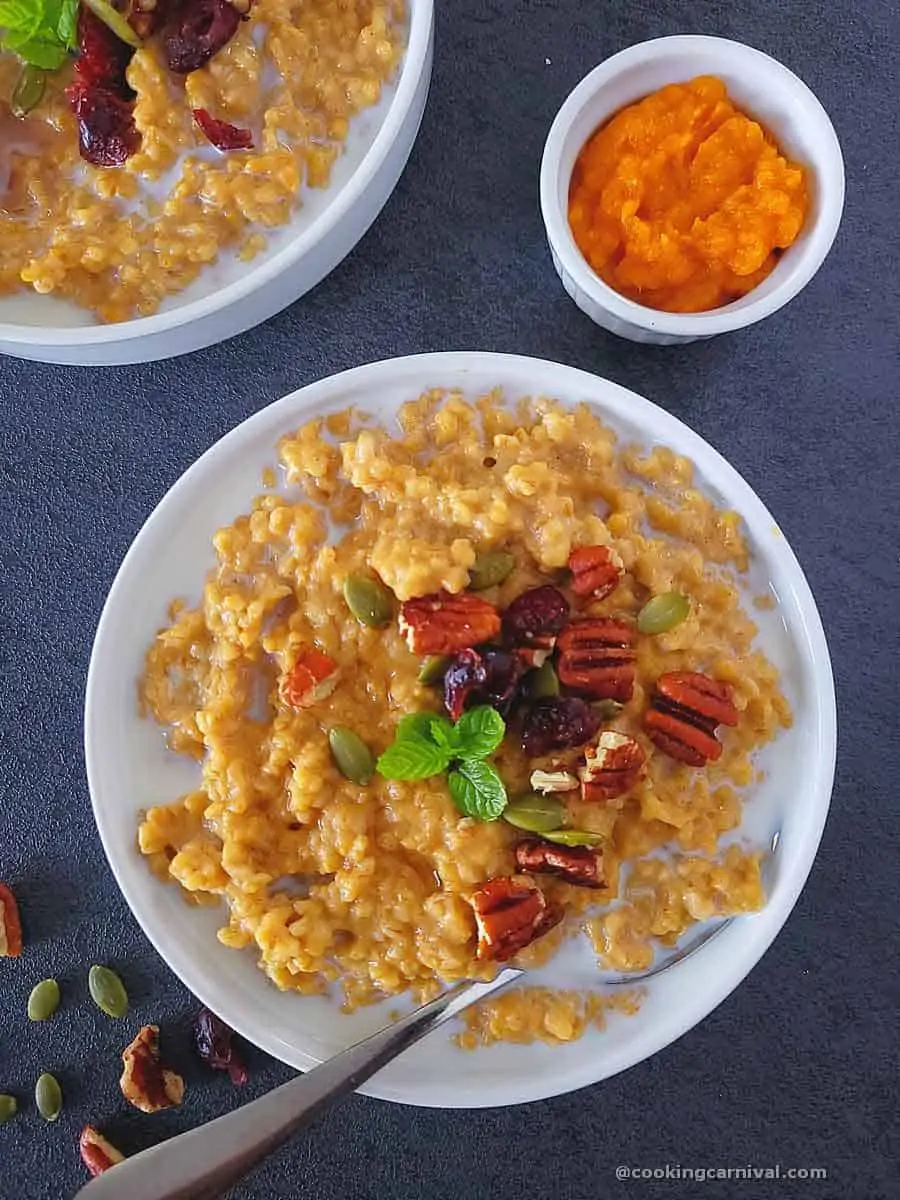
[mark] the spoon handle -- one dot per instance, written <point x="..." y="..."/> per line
<point x="204" y="1162"/>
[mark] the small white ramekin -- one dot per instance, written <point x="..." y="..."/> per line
<point x="760" y="86"/>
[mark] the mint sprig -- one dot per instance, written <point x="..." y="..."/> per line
<point x="40" y="32"/>
<point x="427" y="744"/>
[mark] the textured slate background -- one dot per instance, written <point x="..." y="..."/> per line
<point x="800" y="1065"/>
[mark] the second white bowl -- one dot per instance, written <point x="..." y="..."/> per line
<point x="760" y="86"/>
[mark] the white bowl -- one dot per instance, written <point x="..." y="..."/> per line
<point x="761" y="87"/>
<point x="129" y="768"/>
<point x="230" y="296"/>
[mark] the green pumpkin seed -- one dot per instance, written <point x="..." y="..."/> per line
<point x="354" y="759"/>
<point x="107" y="991"/>
<point x="607" y="710"/>
<point x="489" y="568"/>
<point x="534" y="813"/>
<point x="663" y="613"/>
<point x="369" y="601"/>
<point x="44" y="1000"/>
<point x="543" y="682"/>
<point x="9" y="1106"/>
<point x="48" y="1097"/>
<point x="434" y="668"/>
<point x="115" y="21"/>
<point x="573" y="837"/>
<point x="29" y="90"/>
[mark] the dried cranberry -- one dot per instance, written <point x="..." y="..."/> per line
<point x="490" y="676"/>
<point x="558" y="723"/>
<point x="222" y="134"/>
<point x="197" y="30"/>
<point x="102" y="57"/>
<point x="107" y="134"/>
<point x="212" y="1037"/>
<point x="466" y="674"/>
<point x="540" y="612"/>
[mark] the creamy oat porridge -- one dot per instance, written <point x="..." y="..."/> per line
<point x="135" y="166"/>
<point x="515" y="699"/>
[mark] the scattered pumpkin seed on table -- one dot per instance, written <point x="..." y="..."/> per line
<point x="44" y="1000"/>
<point x="606" y="710"/>
<point x="48" y="1097"/>
<point x="354" y="759"/>
<point x="107" y="991"/>
<point x="663" y="613"/>
<point x="9" y="1106"/>
<point x="490" y="568"/>
<point x="535" y="813"/>
<point x="369" y="601"/>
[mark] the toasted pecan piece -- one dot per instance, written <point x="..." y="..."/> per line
<point x="445" y="624"/>
<point x="97" y="1154"/>
<point x="510" y="913"/>
<point x="596" y="571"/>
<point x="313" y="677"/>
<point x="145" y="1082"/>
<point x="686" y="709"/>
<point x="581" y="866"/>
<point x="596" y="658"/>
<point x="10" y="924"/>
<point x="612" y="766"/>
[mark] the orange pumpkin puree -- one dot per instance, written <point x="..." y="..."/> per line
<point x="682" y="202"/>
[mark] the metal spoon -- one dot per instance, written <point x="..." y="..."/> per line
<point x="205" y="1162"/>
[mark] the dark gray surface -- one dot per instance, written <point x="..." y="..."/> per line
<point x="799" y="1066"/>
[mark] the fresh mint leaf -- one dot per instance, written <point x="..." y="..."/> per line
<point x="48" y="56"/>
<point x="477" y="790"/>
<point x="67" y="22"/>
<point x="412" y="757"/>
<point x="446" y="736"/>
<point x="40" y="32"/>
<point x="417" y="724"/>
<point x="479" y="731"/>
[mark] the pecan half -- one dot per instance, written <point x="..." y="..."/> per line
<point x="510" y="913"/>
<point x="612" y="766"/>
<point x="312" y="677"/>
<point x="10" y="925"/>
<point x="445" y="624"/>
<point x="579" y="865"/>
<point x="596" y="571"/>
<point x="97" y="1154"/>
<point x="596" y="658"/>
<point x="547" y="782"/>
<point x="145" y="1082"/>
<point x="684" y="714"/>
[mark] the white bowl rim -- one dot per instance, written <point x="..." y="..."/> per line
<point x="414" y="58"/>
<point x="748" y="941"/>
<point x="718" y="320"/>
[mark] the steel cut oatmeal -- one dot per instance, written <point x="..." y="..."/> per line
<point x="515" y="699"/>
<point x="135" y="168"/>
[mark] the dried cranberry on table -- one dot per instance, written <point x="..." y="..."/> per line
<point x="213" y="1040"/>
<point x="196" y="30"/>
<point x="222" y="134"/>
<point x="488" y="676"/>
<point x="559" y="723"/>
